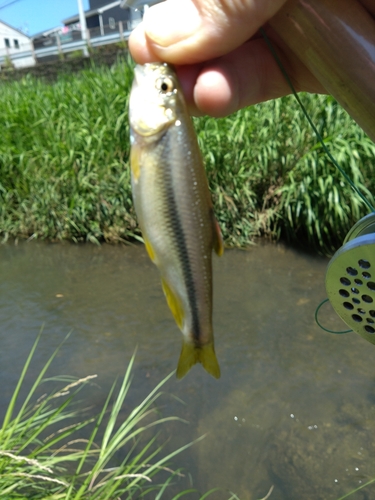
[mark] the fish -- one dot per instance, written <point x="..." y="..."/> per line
<point x="173" y="206"/>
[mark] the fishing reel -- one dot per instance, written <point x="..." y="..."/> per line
<point x="350" y="279"/>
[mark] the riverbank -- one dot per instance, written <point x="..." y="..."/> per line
<point x="64" y="170"/>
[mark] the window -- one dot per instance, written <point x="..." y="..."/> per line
<point x="7" y="43"/>
<point x="16" y="44"/>
<point x="112" y="23"/>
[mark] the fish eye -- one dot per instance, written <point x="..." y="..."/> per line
<point x="165" y="85"/>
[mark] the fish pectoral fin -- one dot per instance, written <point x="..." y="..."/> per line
<point x="135" y="161"/>
<point x="174" y="304"/>
<point x="149" y="248"/>
<point x="218" y="237"/>
<point x="191" y="354"/>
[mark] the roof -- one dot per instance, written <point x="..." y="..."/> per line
<point x="15" y="29"/>
<point x="93" y="12"/>
<point x="57" y="29"/>
<point x="137" y="3"/>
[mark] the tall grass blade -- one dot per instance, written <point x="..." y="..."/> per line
<point x="357" y="489"/>
<point x="65" y="465"/>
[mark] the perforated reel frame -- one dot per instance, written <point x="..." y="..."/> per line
<point x="350" y="279"/>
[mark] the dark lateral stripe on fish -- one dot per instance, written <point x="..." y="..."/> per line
<point x="181" y="242"/>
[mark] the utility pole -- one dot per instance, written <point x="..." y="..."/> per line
<point x="82" y="22"/>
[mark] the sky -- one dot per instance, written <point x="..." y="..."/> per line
<point x="34" y="16"/>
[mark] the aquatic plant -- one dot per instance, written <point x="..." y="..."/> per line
<point x="42" y="456"/>
<point x="64" y="169"/>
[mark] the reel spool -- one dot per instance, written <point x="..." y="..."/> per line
<point x="350" y="279"/>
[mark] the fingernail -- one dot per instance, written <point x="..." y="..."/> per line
<point x="172" y="21"/>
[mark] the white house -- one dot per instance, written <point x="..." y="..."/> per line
<point x="15" y="46"/>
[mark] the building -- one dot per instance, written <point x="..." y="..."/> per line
<point x="138" y="4"/>
<point x="104" y="18"/>
<point x="51" y="39"/>
<point x="107" y="22"/>
<point x="16" y="48"/>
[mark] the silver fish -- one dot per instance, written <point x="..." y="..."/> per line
<point x="174" y="207"/>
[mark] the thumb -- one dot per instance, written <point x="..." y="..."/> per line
<point x="192" y="31"/>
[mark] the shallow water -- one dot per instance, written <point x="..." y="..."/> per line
<point x="295" y="406"/>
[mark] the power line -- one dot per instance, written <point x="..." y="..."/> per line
<point x="7" y="3"/>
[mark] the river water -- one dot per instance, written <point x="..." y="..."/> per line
<point x="295" y="406"/>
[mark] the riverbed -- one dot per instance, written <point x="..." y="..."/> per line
<point x="295" y="405"/>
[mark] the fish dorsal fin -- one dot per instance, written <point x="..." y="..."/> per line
<point x="218" y="243"/>
<point x="174" y="304"/>
<point x="192" y="354"/>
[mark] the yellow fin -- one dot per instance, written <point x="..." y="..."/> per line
<point x="135" y="156"/>
<point x="149" y="249"/>
<point x="174" y="304"/>
<point x="191" y="354"/>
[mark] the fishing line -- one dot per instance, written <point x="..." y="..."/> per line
<point x="321" y="326"/>
<point x="326" y="150"/>
<point x="350" y="279"/>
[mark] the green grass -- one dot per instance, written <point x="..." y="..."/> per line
<point x="269" y="175"/>
<point x="44" y="456"/>
<point x="64" y="170"/>
<point x="64" y="158"/>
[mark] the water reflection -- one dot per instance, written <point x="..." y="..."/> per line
<point x="295" y="406"/>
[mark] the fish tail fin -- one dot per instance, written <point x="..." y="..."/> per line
<point x="191" y="354"/>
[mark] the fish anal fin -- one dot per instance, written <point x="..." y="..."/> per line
<point x="218" y="243"/>
<point x="192" y="354"/>
<point x="174" y="304"/>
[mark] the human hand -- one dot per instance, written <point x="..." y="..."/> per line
<point x="223" y="62"/>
